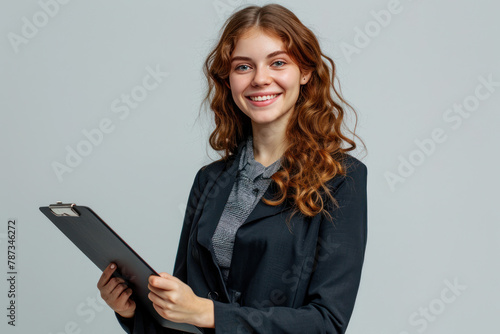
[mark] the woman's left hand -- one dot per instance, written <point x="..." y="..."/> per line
<point x="175" y="301"/>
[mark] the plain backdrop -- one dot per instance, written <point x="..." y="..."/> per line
<point x="423" y="77"/>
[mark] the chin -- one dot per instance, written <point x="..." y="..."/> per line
<point x="263" y="120"/>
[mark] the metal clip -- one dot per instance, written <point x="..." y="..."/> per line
<point x="62" y="209"/>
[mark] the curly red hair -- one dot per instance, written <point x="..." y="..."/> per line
<point x="316" y="124"/>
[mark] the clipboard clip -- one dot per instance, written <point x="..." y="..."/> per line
<point x="64" y="209"/>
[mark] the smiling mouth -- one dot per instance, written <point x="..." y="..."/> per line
<point x="262" y="98"/>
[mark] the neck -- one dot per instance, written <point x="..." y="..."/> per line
<point x="268" y="146"/>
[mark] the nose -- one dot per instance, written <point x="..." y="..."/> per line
<point x="261" y="77"/>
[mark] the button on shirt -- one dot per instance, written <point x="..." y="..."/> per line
<point x="251" y="183"/>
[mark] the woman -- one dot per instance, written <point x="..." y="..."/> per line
<point x="274" y="233"/>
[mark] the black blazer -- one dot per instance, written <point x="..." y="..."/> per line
<point x="304" y="281"/>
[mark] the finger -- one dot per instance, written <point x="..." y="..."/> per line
<point x="119" y="288"/>
<point x="166" y="275"/>
<point x="160" y="292"/>
<point x="162" y="283"/>
<point x="124" y="298"/>
<point x="106" y="274"/>
<point x="160" y="311"/>
<point x="129" y="303"/>
<point x="170" y="277"/>
<point x="166" y="314"/>
<point x="110" y="286"/>
<point x="157" y="300"/>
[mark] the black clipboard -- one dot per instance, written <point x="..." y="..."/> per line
<point x="102" y="245"/>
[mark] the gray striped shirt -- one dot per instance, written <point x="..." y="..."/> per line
<point x="251" y="183"/>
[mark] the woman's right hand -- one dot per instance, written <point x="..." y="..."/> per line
<point x="116" y="293"/>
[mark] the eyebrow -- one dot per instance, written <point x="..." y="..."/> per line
<point x="271" y="55"/>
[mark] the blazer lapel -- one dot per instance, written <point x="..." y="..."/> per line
<point x="217" y="195"/>
<point x="263" y="210"/>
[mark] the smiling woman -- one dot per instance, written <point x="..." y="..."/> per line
<point x="265" y="81"/>
<point x="275" y="231"/>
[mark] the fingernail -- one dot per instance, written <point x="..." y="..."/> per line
<point x="113" y="266"/>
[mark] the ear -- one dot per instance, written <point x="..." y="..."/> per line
<point x="304" y="77"/>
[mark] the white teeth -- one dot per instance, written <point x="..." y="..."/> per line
<point x="263" y="98"/>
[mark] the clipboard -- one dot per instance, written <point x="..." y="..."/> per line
<point x="102" y="245"/>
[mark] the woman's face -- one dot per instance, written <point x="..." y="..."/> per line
<point x="261" y="68"/>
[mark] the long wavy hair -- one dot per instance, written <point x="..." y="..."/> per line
<point x="314" y="152"/>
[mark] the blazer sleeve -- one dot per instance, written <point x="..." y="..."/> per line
<point x="142" y="322"/>
<point x="335" y="277"/>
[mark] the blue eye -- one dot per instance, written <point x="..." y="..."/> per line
<point x="279" y="63"/>
<point x="239" y="67"/>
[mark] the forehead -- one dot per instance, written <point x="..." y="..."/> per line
<point x="264" y="41"/>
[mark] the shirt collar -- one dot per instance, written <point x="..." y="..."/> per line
<point x="247" y="158"/>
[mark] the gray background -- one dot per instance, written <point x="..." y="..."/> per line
<point x="433" y="228"/>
